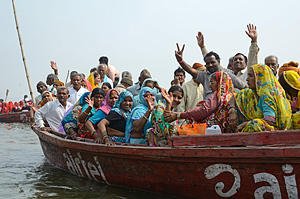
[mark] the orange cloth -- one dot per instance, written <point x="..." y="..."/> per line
<point x="199" y="67"/>
<point x="289" y="66"/>
<point x="59" y="83"/>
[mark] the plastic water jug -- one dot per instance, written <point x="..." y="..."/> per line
<point x="213" y="130"/>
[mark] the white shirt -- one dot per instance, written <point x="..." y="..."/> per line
<point x="75" y="95"/>
<point x="106" y="80"/>
<point x="53" y="112"/>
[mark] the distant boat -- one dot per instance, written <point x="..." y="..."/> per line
<point x="18" y="117"/>
<point x="246" y="165"/>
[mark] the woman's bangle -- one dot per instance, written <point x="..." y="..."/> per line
<point x="86" y="113"/>
<point x="181" y="61"/>
<point x="178" y="115"/>
<point x="145" y="117"/>
<point x="105" y="136"/>
<point x="232" y="109"/>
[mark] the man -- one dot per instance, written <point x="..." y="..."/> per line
<point x="253" y="50"/>
<point x="239" y="64"/>
<point x="230" y="63"/>
<point x="180" y="75"/>
<point x="212" y="64"/>
<point x="112" y="72"/>
<point x="50" y="81"/>
<point x="77" y="90"/>
<point x="126" y="74"/>
<point x="41" y="87"/>
<point x="135" y="89"/>
<point x="272" y="62"/>
<point x="69" y="84"/>
<point x="102" y="70"/>
<point x="53" y="111"/>
<point x="192" y="92"/>
<point x="125" y="83"/>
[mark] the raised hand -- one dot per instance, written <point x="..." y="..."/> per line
<point x="150" y="101"/>
<point x="166" y="96"/>
<point x="252" y="33"/>
<point x="200" y="39"/>
<point x="53" y="65"/>
<point x="179" y="53"/>
<point x="90" y="101"/>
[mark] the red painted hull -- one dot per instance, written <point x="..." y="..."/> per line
<point x="18" y="117"/>
<point x="188" y="171"/>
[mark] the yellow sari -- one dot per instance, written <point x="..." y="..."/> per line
<point x="267" y="103"/>
<point x="292" y="79"/>
<point x="91" y="80"/>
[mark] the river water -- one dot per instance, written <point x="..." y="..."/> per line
<point x="25" y="173"/>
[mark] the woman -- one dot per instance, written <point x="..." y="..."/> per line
<point x="138" y="122"/>
<point x="161" y="130"/>
<point x="86" y="107"/>
<point x="290" y="81"/>
<point x="91" y="123"/>
<point x="58" y="84"/>
<point x="94" y="79"/>
<point x="214" y="110"/>
<point x="112" y="127"/>
<point x="11" y="107"/>
<point x="110" y="99"/>
<point x="4" y="108"/>
<point x="151" y="83"/>
<point x="106" y="87"/>
<point x="86" y="84"/>
<point x="46" y="97"/>
<point x="261" y="107"/>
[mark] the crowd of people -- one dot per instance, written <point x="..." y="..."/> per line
<point x="243" y="97"/>
<point x="14" y="107"/>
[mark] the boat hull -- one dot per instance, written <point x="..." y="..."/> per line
<point x="18" y="117"/>
<point x="217" y="172"/>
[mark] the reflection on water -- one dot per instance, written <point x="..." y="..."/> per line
<point x="25" y="173"/>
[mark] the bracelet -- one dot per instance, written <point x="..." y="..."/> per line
<point x="181" y="61"/>
<point x="232" y="109"/>
<point x="86" y="113"/>
<point x="178" y="115"/>
<point x="145" y="117"/>
<point x="105" y="136"/>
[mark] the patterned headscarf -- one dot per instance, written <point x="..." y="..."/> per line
<point x="224" y="94"/>
<point x="269" y="89"/>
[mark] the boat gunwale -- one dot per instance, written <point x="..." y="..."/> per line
<point x="262" y="152"/>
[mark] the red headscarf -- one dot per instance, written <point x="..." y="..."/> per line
<point x="11" y="106"/>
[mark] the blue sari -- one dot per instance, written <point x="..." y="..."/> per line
<point x="118" y="109"/>
<point x="136" y="114"/>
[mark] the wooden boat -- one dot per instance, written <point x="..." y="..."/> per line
<point x="18" y="117"/>
<point x="249" y="165"/>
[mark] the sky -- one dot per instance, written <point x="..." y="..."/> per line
<point x="136" y="34"/>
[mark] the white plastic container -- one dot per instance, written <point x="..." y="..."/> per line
<point x="213" y="130"/>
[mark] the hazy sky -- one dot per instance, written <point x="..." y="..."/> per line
<point x="136" y="34"/>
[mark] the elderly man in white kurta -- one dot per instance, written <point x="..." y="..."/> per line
<point x="77" y="90"/>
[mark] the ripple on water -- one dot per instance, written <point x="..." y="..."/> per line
<point x="25" y="173"/>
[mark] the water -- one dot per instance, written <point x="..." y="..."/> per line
<point x="25" y="173"/>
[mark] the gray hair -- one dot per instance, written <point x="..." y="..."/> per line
<point x="63" y="88"/>
<point x="102" y="65"/>
<point x="270" y="56"/>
